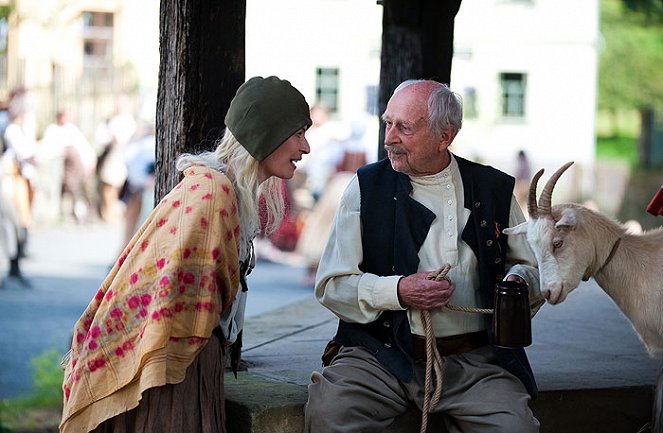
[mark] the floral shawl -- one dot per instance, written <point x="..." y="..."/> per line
<point x="158" y="305"/>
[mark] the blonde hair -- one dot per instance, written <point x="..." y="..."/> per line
<point x="231" y="158"/>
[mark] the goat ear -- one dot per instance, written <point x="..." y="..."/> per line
<point x="567" y="221"/>
<point x="516" y="230"/>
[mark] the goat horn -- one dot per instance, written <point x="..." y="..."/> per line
<point x="532" y="209"/>
<point x="546" y="194"/>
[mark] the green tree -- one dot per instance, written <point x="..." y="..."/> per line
<point x="631" y="59"/>
<point x="649" y="11"/>
<point x="630" y="64"/>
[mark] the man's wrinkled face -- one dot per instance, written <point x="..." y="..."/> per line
<point x="411" y="147"/>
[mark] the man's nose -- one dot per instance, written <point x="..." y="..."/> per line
<point x="389" y="135"/>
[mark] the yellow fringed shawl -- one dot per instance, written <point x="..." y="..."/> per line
<point x="158" y="305"/>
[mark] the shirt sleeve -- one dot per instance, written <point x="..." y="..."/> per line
<point x="341" y="286"/>
<point x="520" y="259"/>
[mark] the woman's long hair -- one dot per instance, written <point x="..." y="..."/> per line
<point x="231" y="158"/>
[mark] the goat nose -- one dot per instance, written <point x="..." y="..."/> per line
<point x="546" y="294"/>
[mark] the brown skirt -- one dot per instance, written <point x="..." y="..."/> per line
<point x="195" y="405"/>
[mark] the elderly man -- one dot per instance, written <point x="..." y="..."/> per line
<point x="400" y="219"/>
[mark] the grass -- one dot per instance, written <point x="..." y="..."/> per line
<point x="616" y="136"/>
<point x="40" y="410"/>
<point x="624" y="148"/>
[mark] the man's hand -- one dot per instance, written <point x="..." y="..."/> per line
<point x="417" y="291"/>
<point x="516" y="278"/>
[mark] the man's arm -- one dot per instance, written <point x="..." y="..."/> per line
<point x="340" y="286"/>
<point x="361" y="297"/>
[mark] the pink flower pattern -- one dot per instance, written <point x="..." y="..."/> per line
<point x="179" y="287"/>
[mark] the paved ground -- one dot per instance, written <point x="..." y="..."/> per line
<point x="65" y="267"/>
<point x="583" y="343"/>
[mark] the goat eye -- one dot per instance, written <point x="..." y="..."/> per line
<point x="557" y="243"/>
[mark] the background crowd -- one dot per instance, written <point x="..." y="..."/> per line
<point x="61" y="176"/>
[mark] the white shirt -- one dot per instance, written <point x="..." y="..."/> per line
<point x="360" y="297"/>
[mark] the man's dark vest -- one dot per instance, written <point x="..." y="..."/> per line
<point x="394" y="227"/>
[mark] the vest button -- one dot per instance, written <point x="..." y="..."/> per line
<point x="483" y="223"/>
<point x="477" y="204"/>
<point x="386" y="324"/>
<point x="498" y="260"/>
<point x="489" y="243"/>
<point x="387" y="345"/>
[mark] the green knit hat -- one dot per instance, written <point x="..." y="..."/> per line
<point x="264" y="113"/>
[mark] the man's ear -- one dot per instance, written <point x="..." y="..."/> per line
<point x="446" y="138"/>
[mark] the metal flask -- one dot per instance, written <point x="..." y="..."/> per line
<point x="512" y="326"/>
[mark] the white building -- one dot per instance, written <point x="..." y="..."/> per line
<point x="527" y="71"/>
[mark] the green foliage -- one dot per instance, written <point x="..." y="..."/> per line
<point x="44" y="404"/>
<point x="631" y="60"/>
<point x="623" y="148"/>
<point x="47" y="376"/>
<point x="650" y="12"/>
<point x="3" y="427"/>
<point x="5" y="11"/>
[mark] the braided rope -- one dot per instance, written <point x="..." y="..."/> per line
<point x="434" y="367"/>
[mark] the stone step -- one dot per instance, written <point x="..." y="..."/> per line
<point x="255" y="404"/>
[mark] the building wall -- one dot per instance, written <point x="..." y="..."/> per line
<point x="557" y="50"/>
<point x="292" y="38"/>
<point x="45" y="54"/>
<point x="555" y="43"/>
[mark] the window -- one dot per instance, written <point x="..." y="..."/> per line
<point x="326" y="88"/>
<point x="470" y="103"/>
<point x="372" y="100"/>
<point x="513" y="94"/>
<point x="98" y="38"/>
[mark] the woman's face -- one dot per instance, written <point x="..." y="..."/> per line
<point x="281" y="162"/>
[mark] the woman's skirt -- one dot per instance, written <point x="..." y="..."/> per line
<point x="195" y="405"/>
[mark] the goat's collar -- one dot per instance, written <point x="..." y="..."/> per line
<point x="610" y="257"/>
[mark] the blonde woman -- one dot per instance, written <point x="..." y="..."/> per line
<point x="148" y="353"/>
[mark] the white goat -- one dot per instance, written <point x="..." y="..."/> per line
<point x="572" y="243"/>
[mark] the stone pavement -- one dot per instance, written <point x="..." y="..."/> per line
<point x="64" y="267"/>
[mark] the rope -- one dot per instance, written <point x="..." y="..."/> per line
<point x="434" y="367"/>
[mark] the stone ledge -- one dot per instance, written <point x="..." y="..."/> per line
<point x="255" y="404"/>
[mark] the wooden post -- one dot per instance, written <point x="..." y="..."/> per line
<point x="417" y="42"/>
<point x="201" y="66"/>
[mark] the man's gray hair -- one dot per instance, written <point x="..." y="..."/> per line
<point x="445" y="107"/>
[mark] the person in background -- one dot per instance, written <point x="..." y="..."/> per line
<point x="66" y="141"/>
<point x="399" y="220"/>
<point x="318" y="222"/>
<point x="9" y="223"/>
<point x="523" y="178"/>
<point x="112" y="136"/>
<point x="139" y="157"/>
<point x="148" y="352"/>
<point x="320" y="164"/>
<point x="20" y="172"/>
